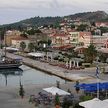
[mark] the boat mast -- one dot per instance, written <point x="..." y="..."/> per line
<point x="0" y="40"/>
<point x="0" y="46"/>
<point x="5" y="42"/>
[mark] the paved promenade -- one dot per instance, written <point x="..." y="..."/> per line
<point x="9" y="97"/>
<point x="72" y="75"/>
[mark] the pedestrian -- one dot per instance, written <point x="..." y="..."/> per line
<point x="58" y="84"/>
<point x="77" y="88"/>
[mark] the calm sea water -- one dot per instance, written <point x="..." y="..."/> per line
<point x="27" y="76"/>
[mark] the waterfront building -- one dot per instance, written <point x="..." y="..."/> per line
<point x="60" y="39"/>
<point x="11" y="34"/>
<point x="37" y="37"/>
<point x="16" y="42"/>
<point x="73" y="38"/>
<point x="100" y="41"/>
<point x="101" y="24"/>
<point x="80" y="38"/>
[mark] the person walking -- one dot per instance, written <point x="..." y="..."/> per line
<point x="77" y="88"/>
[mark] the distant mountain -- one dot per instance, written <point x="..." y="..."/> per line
<point x="40" y="21"/>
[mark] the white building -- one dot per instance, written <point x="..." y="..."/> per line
<point x="99" y="41"/>
<point x="78" y="38"/>
<point x="16" y="42"/>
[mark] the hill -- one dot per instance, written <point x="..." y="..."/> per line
<point x="40" y="21"/>
<point x="90" y="16"/>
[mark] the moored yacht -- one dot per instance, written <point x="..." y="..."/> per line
<point x="10" y="63"/>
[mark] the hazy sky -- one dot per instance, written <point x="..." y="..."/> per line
<point x="16" y="10"/>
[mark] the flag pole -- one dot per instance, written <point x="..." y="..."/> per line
<point x="97" y="76"/>
<point x="98" y="88"/>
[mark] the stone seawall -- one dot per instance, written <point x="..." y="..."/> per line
<point x="47" y="71"/>
<point x="70" y="75"/>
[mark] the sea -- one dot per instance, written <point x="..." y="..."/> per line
<point x="26" y="76"/>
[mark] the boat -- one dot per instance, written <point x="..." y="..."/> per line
<point x="10" y="63"/>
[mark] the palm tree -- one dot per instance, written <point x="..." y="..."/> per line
<point x="90" y="53"/>
<point x="22" y="46"/>
<point x="31" y="47"/>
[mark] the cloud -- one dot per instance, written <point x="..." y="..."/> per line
<point x="15" y="10"/>
<point x="21" y="4"/>
<point x="50" y="4"/>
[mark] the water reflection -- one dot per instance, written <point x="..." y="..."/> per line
<point x="26" y="76"/>
<point x="11" y="72"/>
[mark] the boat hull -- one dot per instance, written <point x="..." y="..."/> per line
<point x="9" y="66"/>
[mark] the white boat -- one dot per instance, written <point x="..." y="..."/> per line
<point x="10" y="63"/>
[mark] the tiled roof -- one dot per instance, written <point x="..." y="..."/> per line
<point x="61" y="35"/>
<point x="82" y="34"/>
<point x="63" y="47"/>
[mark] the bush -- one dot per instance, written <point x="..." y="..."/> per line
<point x="85" y="98"/>
<point x="67" y="102"/>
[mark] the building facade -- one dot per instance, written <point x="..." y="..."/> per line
<point x="80" y="38"/>
<point x="16" y="42"/>
<point x="99" y="41"/>
<point x="11" y="34"/>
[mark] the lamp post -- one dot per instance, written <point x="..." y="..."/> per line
<point x="65" y="73"/>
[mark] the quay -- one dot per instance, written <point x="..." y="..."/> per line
<point x="70" y="75"/>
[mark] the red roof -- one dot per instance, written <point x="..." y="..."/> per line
<point x="63" y="47"/>
<point x="99" y="23"/>
<point x="60" y="35"/>
<point x="82" y="34"/>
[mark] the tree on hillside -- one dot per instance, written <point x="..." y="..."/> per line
<point x="33" y="31"/>
<point x="82" y="27"/>
<point x="72" y="26"/>
<point x="103" y="30"/>
<point x="22" y="46"/>
<point x="31" y="47"/>
<point x="90" y="53"/>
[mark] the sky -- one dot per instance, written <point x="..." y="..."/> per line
<point x="15" y="10"/>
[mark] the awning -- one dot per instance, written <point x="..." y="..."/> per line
<point x="54" y="90"/>
<point x="34" y="54"/>
<point x="94" y="103"/>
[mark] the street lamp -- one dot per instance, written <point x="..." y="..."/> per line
<point x="65" y="73"/>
